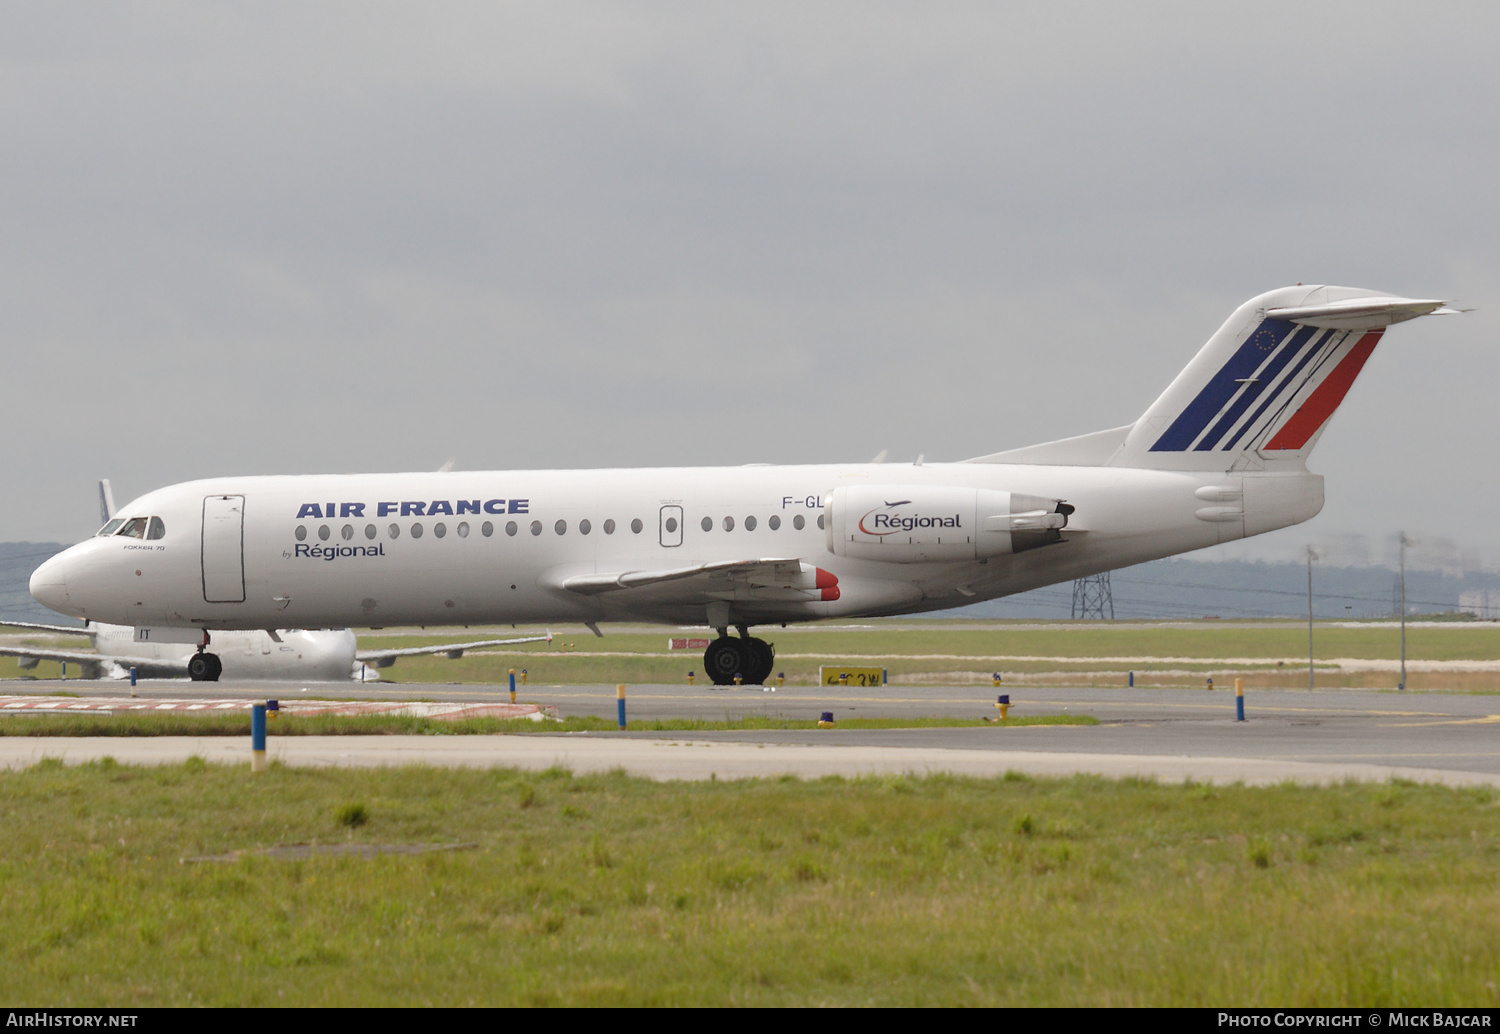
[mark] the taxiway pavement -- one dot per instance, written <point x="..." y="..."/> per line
<point x="1308" y="736"/>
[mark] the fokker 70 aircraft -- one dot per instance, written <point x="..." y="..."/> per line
<point x="326" y="654"/>
<point x="1221" y="455"/>
<point x="323" y="655"/>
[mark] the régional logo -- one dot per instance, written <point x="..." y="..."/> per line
<point x="887" y="520"/>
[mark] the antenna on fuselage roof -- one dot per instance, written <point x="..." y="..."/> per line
<point x="881" y="455"/>
<point x="106" y="501"/>
<point x="447" y="466"/>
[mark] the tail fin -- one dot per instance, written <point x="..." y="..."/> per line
<point x="1261" y="391"/>
<point x="106" y="502"/>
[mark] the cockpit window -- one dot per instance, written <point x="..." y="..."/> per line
<point x="157" y="529"/>
<point x="112" y="527"/>
<point x="135" y="528"/>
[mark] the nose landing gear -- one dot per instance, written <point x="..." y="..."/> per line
<point x="205" y="667"/>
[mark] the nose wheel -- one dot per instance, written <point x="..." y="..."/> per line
<point x="750" y="658"/>
<point x="205" y="667"/>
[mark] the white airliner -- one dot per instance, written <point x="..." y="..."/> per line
<point x="324" y="655"/>
<point x="1219" y="456"/>
<point x="327" y="654"/>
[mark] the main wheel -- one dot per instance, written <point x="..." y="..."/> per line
<point x="724" y="659"/>
<point x="761" y="659"/>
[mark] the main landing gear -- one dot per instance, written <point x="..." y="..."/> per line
<point x="205" y="667"/>
<point x="751" y="659"/>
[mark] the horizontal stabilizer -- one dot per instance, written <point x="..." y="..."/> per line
<point x="1360" y="313"/>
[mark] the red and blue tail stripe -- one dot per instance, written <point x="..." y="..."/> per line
<point x="1224" y="385"/>
<point x="1273" y="365"/>
<point x="1290" y="346"/>
<point x="1320" y="405"/>
<point x="1277" y="394"/>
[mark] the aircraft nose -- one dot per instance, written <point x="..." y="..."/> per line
<point x="49" y="583"/>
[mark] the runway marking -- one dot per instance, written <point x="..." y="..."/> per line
<point x="1489" y="719"/>
<point x="1221" y="703"/>
<point x="425" y="709"/>
<point x="1349" y="663"/>
<point x="1404" y="754"/>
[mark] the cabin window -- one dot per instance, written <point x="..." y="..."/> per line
<point x="301" y="532"/>
<point x="636" y="525"/>
<point x="749" y="523"/>
<point x="157" y="529"/>
<point x="416" y="529"/>
<point x="609" y="526"/>
<point x="708" y="524"/>
<point x="561" y="527"/>
<point x="774" y="522"/>
<point x="798" y="522"/>
<point x="671" y="525"/>
<point x="820" y="522"/>
<point x="370" y="531"/>
<point x="346" y="532"/>
<point x="584" y="527"/>
<point x="394" y="531"/>
<point x="536" y="527"/>
<point x="112" y="527"/>
<point x="728" y="523"/>
<point x="135" y="528"/>
<point x="440" y="529"/>
<point x="463" y="529"/>
<point x="510" y="527"/>
<point x="487" y="529"/>
<point x="323" y="532"/>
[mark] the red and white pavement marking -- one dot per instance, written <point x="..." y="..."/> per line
<point x="423" y="709"/>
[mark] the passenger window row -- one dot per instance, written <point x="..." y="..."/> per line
<point x="773" y="522"/>
<point x="487" y="529"/>
<point x="440" y="530"/>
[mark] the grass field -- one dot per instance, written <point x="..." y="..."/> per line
<point x="1269" y="654"/>
<point x="1088" y="653"/>
<point x="610" y="890"/>
<point x="1077" y="653"/>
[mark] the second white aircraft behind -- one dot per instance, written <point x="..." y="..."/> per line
<point x="1219" y="456"/>
<point x="330" y="654"/>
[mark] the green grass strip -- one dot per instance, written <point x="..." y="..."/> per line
<point x="611" y="890"/>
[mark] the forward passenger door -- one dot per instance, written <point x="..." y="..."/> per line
<point x="224" y="549"/>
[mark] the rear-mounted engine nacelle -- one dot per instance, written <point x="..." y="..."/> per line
<point x="911" y="524"/>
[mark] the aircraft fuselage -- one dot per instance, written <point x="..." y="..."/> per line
<point x="498" y="547"/>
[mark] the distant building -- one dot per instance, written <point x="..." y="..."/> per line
<point x="1482" y="603"/>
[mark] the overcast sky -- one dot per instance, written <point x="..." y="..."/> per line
<point x="323" y="237"/>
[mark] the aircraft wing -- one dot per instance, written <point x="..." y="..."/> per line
<point x="93" y="665"/>
<point x="63" y="629"/>
<point x="385" y="658"/>
<point x="29" y="655"/>
<point x="45" y="653"/>
<point x="770" y="578"/>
